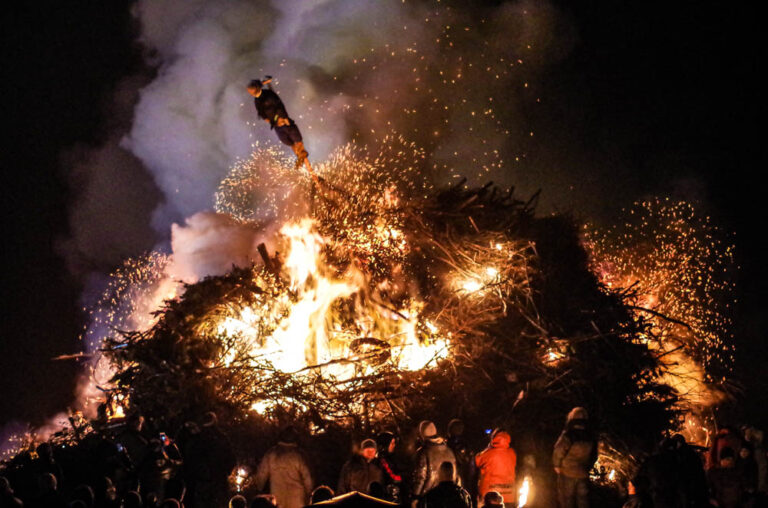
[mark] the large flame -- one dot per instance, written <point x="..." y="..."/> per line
<point x="310" y="331"/>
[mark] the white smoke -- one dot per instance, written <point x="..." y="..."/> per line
<point x="210" y="244"/>
<point x="192" y="121"/>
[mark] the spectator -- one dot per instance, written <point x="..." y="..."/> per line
<point x="662" y="472"/>
<point x="573" y="456"/>
<point x="747" y="468"/>
<point x="49" y="493"/>
<point x="285" y="469"/>
<point x="727" y="437"/>
<point x="433" y="452"/>
<point x="7" y="498"/>
<point x="725" y="481"/>
<point x="465" y="462"/>
<point x="447" y="494"/>
<point x="756" y="438"/>
<point x="361" y="470"/>
<point x="693" y="479"/>
<point x="496" y="467"/>
<point x="132" y="441"/>
<point x="85" y="494"/>
<point x="385" y="444"/>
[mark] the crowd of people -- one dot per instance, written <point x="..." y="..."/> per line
<point x="132" y="465"/>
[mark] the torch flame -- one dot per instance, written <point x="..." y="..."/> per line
<point x="525" y="489"/>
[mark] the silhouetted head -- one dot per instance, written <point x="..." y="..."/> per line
<point x="48" y="483"/>
<point x="85" y="494"/>
<point x="447" y="472"/>
<point x="238" y="501"/>
<point x="377" y="490"/>
<point x="385" y="442"/>
<point x="493" y="498"/>
<point x="455" y="428"/>
<point x="132" y="499"/>
<point x="210" y="419"/>
<point x="322" y="493"/>
<point x="289" y="435"/>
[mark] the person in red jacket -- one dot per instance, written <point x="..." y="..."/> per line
<point x="496" y="467"/>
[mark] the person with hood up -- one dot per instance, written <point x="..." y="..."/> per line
<point x="496" y="467"/>
<point x="361" y="470"/>
<point x="447" y="494"/>
<point x="285" y="468"/>
<point x="433" y="452"/>
<point x="464" y="456"/>
<point x="393" y="480"/>
<point x="271" y="109"/>
<point x="573" y="456"/>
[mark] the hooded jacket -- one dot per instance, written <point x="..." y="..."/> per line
<point x="287" y="472"/>
<point x="496" y="468"/>
<point x="428" y="460"/>
<point x="575" y="450"/>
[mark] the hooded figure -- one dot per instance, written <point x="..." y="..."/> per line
<point x="286" y="470"/>
<point x="361" y="470"/>
<point x="573" y="456"/>
<point x="385" y="443"/>
<point x="433" y="452"/>
<point x="465" y="459"/>
<point x="496" y="467"/>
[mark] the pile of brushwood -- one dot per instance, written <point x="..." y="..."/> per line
<point x="538" y="338"/>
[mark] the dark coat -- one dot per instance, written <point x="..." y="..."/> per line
<point x="447" y="495"/>
<point x="357" y="474"/>
<point x="428" y="460"/>
<point x="269" y="106"/>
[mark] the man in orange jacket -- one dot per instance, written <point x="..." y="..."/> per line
<point x="496" y="467"/>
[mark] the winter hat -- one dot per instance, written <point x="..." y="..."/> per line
<point x="255" y="83"/>
<point x="578" y="413"/>
<point x="427" y="429"/>
<point x="367" y="443"/>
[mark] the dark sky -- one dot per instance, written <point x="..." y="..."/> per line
<point x="665" y="91"/>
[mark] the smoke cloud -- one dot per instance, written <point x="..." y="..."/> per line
<point x="456" y="80"/>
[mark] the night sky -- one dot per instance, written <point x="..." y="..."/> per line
<point x="664" y="92"/>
